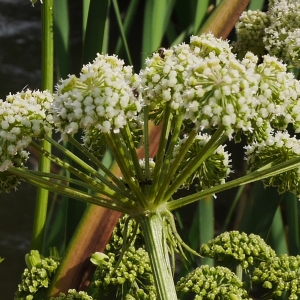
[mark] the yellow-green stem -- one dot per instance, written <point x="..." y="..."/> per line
<point x="47" y="84"/>
<point x="155" y="240"/>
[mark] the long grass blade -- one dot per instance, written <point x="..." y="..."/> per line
<point x="95" y="29"/>
<point x="292" y="208"/>
<point x="122" y="31"/>
<point x="277" y="238"/>
<point x="40" y="214"/>
<point x="200" y="14"/>
<point x="61" y="36"/>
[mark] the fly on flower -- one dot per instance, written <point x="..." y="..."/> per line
<point x="161" y="52"/>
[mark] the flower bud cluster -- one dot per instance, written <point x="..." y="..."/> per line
<point x="127" y="228"/>
<point x="213" y="171"/>
<point x="212" y="283"/>
<point x="23" y="116"/>
<point x="129" y="271"/>
<point x="250" y="32"/>
<point x="37" y="276"/>
<point x="238" y="247"/>
<point x="276" y="149"/>
<point x="132" y="275"/>
<point x="279" y="275"/>
<point x="73" y="295"/>
<point x="102" y="97"/>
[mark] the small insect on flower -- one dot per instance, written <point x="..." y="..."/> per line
<point x="135" y="93"/>
<point x="161" y="52"/>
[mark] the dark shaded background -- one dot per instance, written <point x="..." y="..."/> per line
<point x="20" y="45"/>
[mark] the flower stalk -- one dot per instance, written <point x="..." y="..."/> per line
<point x="40" y="214"/>
<point x="154" y="233"/>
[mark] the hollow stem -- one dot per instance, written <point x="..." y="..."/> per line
<point x="155" y="240"/>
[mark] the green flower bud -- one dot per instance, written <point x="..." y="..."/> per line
<point x="98" y="258"/>
<point x="33" y="259"/>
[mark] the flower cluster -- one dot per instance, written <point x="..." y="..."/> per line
<point x="280" y="274"/>
<point x="127" y="229"/>
<point x="203" y="81"/>
<point x="38" y="275"/>
<point x="282" y="36"/>
<point x="278" y="148"/>
<point x="212" y="283"/>
<point x="275" y="32"/>
<point x="210" y="87"/>
<point x="23" y="116"/>
<point x="250" y="33"/>
<point x="238" y="247"/>
<point x="73" y="295"/>
<point x="103" y="97"/>
<point x="213" y="171"/>
<point x="278" y="91"/>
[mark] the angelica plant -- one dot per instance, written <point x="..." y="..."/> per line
<point x="188" y="90"/>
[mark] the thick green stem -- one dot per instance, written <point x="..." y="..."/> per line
<point x="152" y="226"/>
<point x="44" y="164"/>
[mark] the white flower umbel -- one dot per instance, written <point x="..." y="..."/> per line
<point x="282" y="35"/>
<point x="276" y="149"/>
<point x="23" y="116"/>
<point x="203" y="81"/>
<point x="250" y="32"/>
<point x="225" y="93"/>
<point x="101" y="98"/>
<point x="278" y="93"/>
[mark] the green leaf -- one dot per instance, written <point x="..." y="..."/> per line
<point x="256" y="5"/>
<point x="277" y="239"/>
<point x="95" y="29"/>
<point x="260" y="210"/>
<point x="61" y="38"/>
